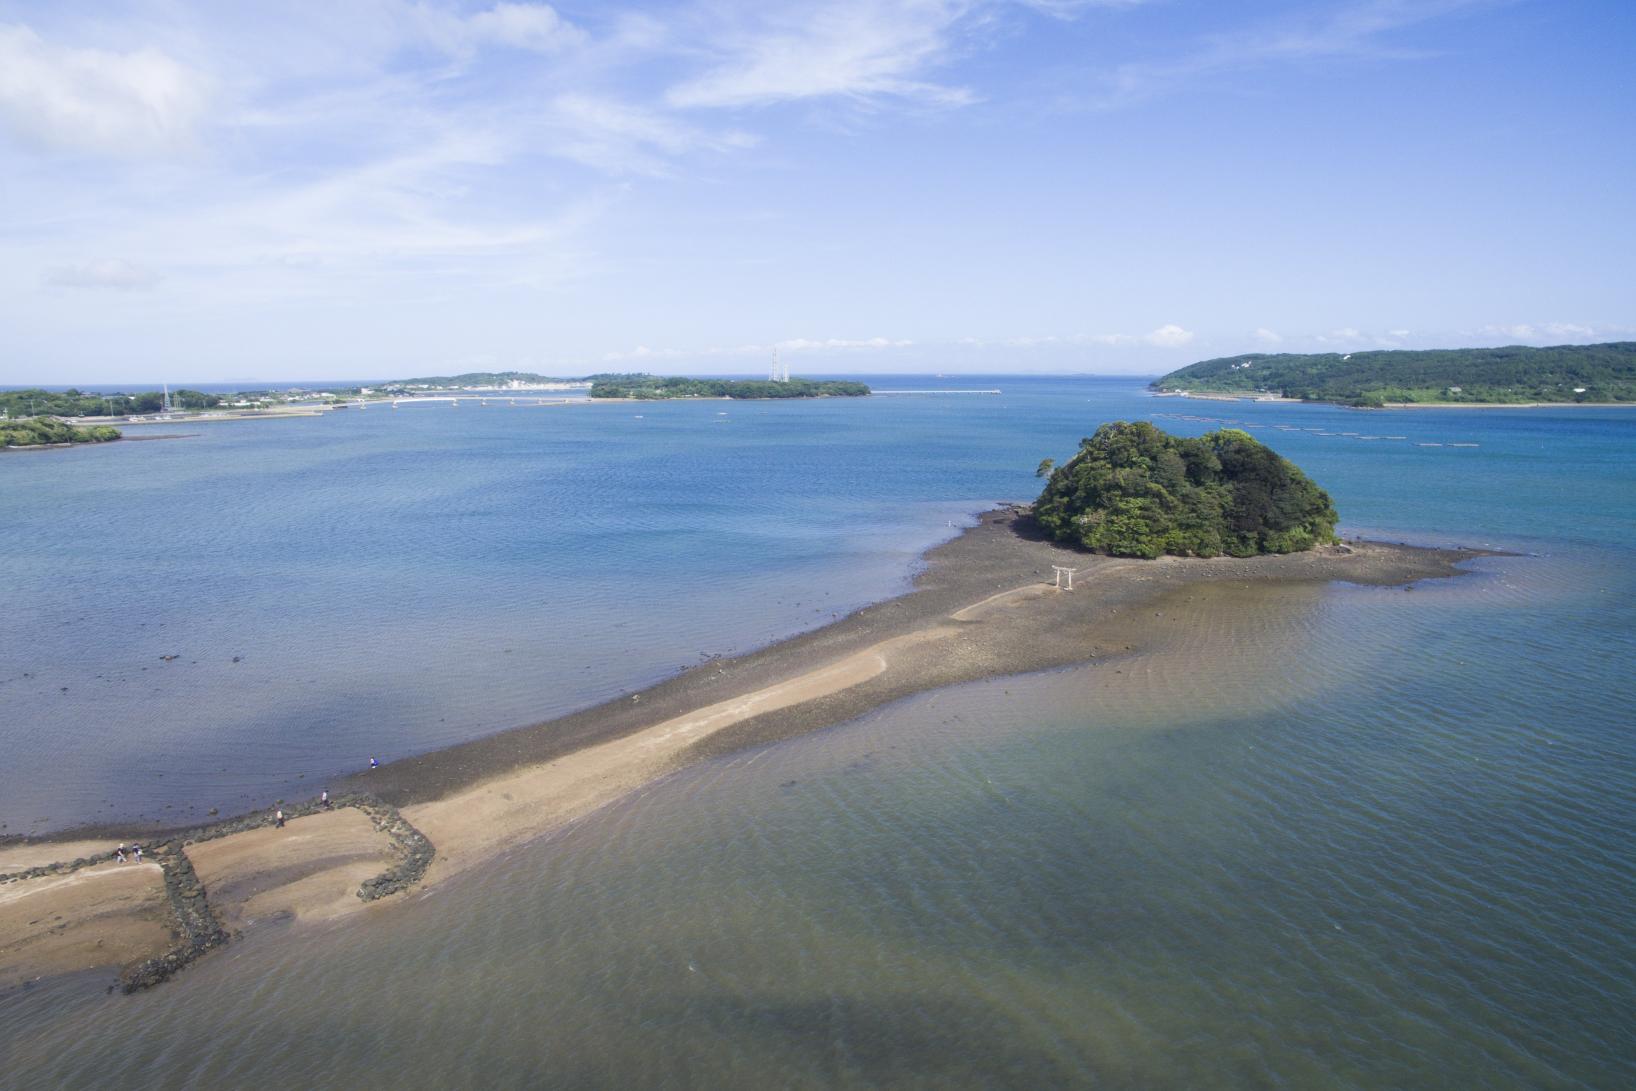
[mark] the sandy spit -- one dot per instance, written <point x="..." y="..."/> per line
<point x="984" y="605"/>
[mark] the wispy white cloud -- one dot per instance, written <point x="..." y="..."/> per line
<point x="134" y="103"/>
<point x="621" y="137"/>
<point x="1068" y="9"/>
<point x="1561" y="331"/>
<point x="858" y="49"/>
<point x="1169" y="336"/>
<point x="790" y="345"/>
<point x="581" y="177"/>
<point x="1353" y="338"/>
<point x="1357" y="30"/>
<point x="535" y="27"/>
<point x="109" y="273"/>
<point x="843" y="344"/>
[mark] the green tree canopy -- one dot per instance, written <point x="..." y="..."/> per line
<point x="1133" y="490"/>
<point x="42" y="431"/>
<point x="1516" y="373"/>
<point x="651" y="387"/>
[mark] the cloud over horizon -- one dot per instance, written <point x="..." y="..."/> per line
<point x="875" y="183"/>
<point x="134" y="103"/>
<point x="109" y="273"/>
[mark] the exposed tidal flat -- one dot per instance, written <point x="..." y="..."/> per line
<point x="1323" y="835"/>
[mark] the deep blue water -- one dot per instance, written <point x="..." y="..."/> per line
<point x="1386" y="842"/>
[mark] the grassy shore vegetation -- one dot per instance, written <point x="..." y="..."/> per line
<point x="41" y="431"/>
<point x="1133" y="490"/>
<point x="1515" y="374"/>
<point x="655" y="386"/>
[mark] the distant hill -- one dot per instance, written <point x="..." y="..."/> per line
<point x="1563" y="373"/>
<point x="652" y="387"/>
<point x="479" y="378"/>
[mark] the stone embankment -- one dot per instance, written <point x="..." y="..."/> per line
<point x="197" y="927"/>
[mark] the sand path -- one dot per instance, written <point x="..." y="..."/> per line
<point x="474" y="824"/>
<point x="21" y="857"/>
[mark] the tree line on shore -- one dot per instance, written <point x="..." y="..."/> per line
<point x="649" y="387"/>
<point x="77" y="403"/>
<point x="1515" y="373"/>
<point x="43" y="431"/>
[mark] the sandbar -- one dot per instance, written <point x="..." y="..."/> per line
<point x="106" y="915"/>
<point x="983" y="605"/>
<point x="310" y="869"/>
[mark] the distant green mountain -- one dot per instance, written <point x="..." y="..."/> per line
<point x="1563" y="373"/>
<point x="652" y="387"/>
<point x="479" y="378"/>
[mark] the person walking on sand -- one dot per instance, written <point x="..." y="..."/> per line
<point x="323" y="799"/>
<point x="136" y="850"/>
<point x="119" y="853"/>
<point x="278" y="818"/>
<point x="373" y="764"/>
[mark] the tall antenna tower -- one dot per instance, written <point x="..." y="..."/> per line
<point x="780" y="372"/>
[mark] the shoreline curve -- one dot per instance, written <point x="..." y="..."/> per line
<point x="982" y="606"/>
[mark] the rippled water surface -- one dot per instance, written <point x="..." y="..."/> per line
<point x="1325" y="837"/>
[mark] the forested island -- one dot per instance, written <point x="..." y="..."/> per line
<point x="45" y="432"/>
<point x="1133" y="490"/>
<point x="651" y="387"/>
<point x="1515" y="374"/>
<point x="478" y="379"/>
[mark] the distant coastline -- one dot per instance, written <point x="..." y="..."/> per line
<point x="662" y="388"/>
<point x="1274" y="399"/>
<point x="1516" y="375"/>
<point x="984" y="606"/>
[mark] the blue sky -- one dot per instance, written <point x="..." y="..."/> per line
<point x="199" y="191"/>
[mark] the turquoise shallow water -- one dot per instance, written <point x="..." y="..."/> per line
<point x="1384" y="840"/>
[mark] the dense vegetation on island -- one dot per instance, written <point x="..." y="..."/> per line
<point x="1564" y="373"/>
<point x="655" y="386"/>
<point x="40" y="431"/>
<point x="1133" y="490"/>
<point x="476" y="379"/>
<point x="77" y="403"/>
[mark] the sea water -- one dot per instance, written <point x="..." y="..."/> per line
<point x="1349" y="837"/>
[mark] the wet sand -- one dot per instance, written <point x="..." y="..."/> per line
<point x="311" y="869"/>
<point x="984" y="605"/>
<point x="107" y="915"/>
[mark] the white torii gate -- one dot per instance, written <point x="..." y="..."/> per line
<point x="1061" y="572"/>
